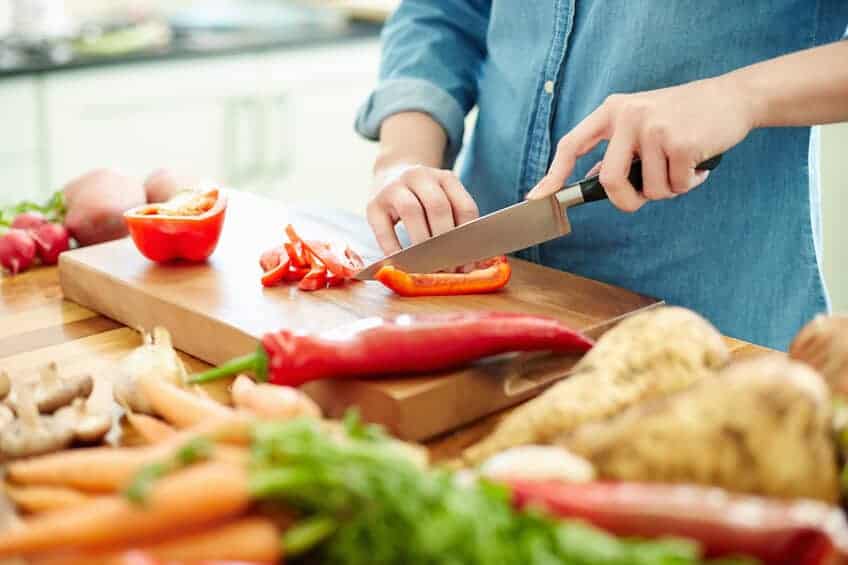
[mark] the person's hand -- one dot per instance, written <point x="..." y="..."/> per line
<point x="672" y="130"/>
<point x="427" y="200"/>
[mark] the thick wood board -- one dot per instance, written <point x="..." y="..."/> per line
<point x="219" y="310"/>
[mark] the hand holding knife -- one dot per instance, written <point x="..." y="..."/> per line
<point x="511" y="229"/>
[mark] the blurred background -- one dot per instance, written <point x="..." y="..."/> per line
<point x="257" y="94"/>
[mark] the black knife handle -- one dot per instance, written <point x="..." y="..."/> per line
<point x="593" y="190"/>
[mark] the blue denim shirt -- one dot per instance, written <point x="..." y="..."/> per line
<point x="743" y="249"/>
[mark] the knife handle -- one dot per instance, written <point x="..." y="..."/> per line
<point x="592" y="189"/>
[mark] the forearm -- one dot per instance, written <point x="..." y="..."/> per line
<point x="410" y="138"/>
<point x="806" y="88"/>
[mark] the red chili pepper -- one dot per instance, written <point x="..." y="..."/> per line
<point x="489" y="276"/>
<point x="407" y="344"/>
<point x="277" y="274"/>
<point x="186" y="227"/>
<point x="774" y="531"/>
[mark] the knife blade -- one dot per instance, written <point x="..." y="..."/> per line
<point x="504" y="231"/>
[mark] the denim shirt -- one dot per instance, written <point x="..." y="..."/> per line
<point x="743" y="249"/>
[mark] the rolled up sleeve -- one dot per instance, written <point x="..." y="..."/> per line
<point x="431" y="57"/>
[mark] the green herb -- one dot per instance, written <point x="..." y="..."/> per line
<point x="194" y="451"/>
<point x="54" y="209"/>
<point x="365" y="502"/>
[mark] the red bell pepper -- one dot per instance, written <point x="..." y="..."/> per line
<point x="316" y="278"/>
<point x="298" y="257"/>
<point x="271" y="258"/>
<point x="775" y="531"/>
<point x="407" y="344"/>
<point x="489" y="276"/>
<point x="186" y="227"/>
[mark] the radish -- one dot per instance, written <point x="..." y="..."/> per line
<point x="50" y="241"/>
<point x="29" y="221"/>
<point x="17" y="250"/>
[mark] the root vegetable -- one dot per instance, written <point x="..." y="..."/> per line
<point x="272" y="401"/>
<point x="17" y="251"/>
<point x="194" y="497"/>
<point x="38" y="499"/>
<point x="823" y="345"/>
<point x="252" y="539"/>
<point x="760" y="427"/>
<point x="178" y="406"/>
<point x="162" y="185"/>
<point x="28" y="221"/>
<point x="155" y="357"/>
<point x="50" y="241"/>
<point x="538" y="463"/>
<point x="96" y="202"/>
<point x="648" y="355"/>
<point x="152" y="430"/>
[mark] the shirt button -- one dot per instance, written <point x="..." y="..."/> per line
<point x="549" y="86"/>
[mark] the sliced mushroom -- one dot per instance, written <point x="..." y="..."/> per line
<point x="31" y="433"/>
<point x="6" y="415"/>
<point x="53" y="392"/>
<point x="5" y="384"/>
<point x="90" y="419"/>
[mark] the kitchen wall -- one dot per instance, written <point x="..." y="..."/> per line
<point x="834" y="164"/>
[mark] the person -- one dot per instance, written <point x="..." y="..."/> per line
<point x="566" y="88"/>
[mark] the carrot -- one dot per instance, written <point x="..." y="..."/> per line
<point x="151" y="430"/>
<point x="178" y="406"/>
<point x="249" y="539"/>
<point x="36" y="499"/>
<point x="191" y="498"/>
<point x="272" y="401"/>
<point x="108" y="469"/>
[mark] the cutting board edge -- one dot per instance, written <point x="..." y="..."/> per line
<point x="172" y="316"/>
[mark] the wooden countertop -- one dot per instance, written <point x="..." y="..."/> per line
<point x="37" y="325"/>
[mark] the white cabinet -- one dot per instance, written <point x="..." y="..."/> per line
<point x="19" y="140"/>
<point x="140" y="117"/>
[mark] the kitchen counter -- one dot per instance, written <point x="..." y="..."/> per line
<point x="37" y="325"/>
<point x="194" y="47"/>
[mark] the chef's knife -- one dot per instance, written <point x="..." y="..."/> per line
<point x="513" y="228"/>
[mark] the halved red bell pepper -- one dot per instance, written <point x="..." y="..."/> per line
<point x="186" y="227"/>
<point x="489" y="276"/>
<point x="778" y="532"/>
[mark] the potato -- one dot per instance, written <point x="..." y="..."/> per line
<point x="823" y="345"/>
<point x="650" y="354"/>
<point x="96" y="202"/>
<point x="163" y="184"/>
<point x="762" y="426"/>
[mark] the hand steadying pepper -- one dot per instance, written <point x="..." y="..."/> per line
<point x="407" y="344"/>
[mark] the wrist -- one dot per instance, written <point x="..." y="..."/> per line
<point x="750" y="97"/>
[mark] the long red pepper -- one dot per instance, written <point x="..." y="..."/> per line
<point x="777" y="532"/>
<point x="407" y="344"/>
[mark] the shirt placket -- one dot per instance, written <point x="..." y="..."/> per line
<point x="539" y="146"/>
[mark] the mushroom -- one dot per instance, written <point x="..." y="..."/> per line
<point x="6" y="415"/>
<point x="156" y="357"/>
<point x="90" y="419"/>
<point x="52" y="392"/>
<point x="5" y="384"/>
<point x="31" y="433"/>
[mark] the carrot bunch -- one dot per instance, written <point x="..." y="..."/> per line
<point x="312" y="264"/>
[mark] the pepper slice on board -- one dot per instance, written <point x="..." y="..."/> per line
<point x="489" y="276"/>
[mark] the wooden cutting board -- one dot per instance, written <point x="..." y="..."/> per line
<point x="219" y="310"/>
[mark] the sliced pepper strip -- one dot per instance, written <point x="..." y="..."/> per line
<point x="186" y="227"/>
<point x="315" y="279"/>
<point x="276" y="274"/>
<point x="342" y="264"/>
<point x="271" y="259"/>
<point x="297" y="273"/>
<point x="491" y="275"/>
<point x="298" y="256"/>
